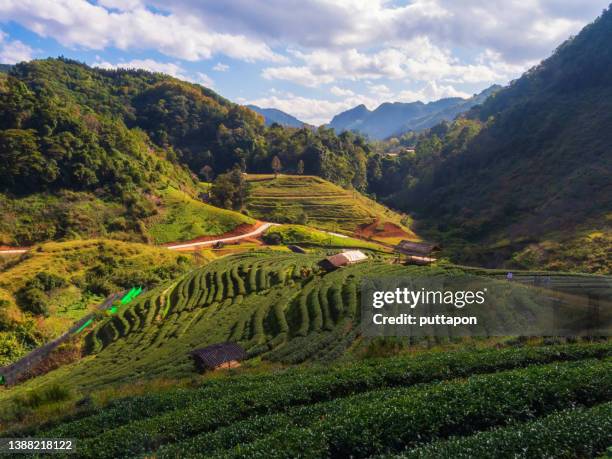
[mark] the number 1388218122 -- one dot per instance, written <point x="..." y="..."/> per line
<point x="33" y="445"/>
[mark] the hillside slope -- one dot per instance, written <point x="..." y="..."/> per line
<point x="88" y="152"/>
<point x="538" y="172"/>
<point x="319" y="203"/>
<point x="273" y="115"/>
<point x="45" y="291"/>
<point x="423" y="400"/>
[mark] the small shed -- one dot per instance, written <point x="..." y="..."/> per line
<point x="350" y="257"/>
<point x="221" y="355"/>
<point x="417" y="252"/>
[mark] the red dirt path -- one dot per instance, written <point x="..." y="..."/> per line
<point x="372" y="230"/>
<point x="243" y="228"/>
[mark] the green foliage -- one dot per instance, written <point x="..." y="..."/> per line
<point x="334" y="407"/>
<point x="182" y="218"/>
<point x="317" y="202"/>
<point x="33" y="297"/>
<point x="297" y="234"/>
<point x="577" y="432"/>
<point x="230" y="190"/>
<point x="528" y="166"/>
<point x="391" y="420"/>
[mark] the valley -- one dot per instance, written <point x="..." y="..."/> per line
<point x="182" y="275"/>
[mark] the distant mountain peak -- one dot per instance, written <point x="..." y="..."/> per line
<point x="273" y="115"/>
<point x="395" y="118"/>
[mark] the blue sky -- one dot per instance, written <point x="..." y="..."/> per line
<point x="310" y="58"/>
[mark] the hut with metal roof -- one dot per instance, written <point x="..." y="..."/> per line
<point x="417" y="252"/>
<point x="349" y="257"/>
<point x="216" y="356"/>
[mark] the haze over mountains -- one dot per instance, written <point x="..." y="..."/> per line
<point x="395" y="118"/>
<point x="273" y="115"/>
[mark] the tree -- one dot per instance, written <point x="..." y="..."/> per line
<point x="230" y="190"/>
<point x="276" y="166"/>
<point x="207" y="172"/>
<point x="300" y="167"/>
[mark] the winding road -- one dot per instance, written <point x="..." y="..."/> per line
<point x="189" y="245"/>
<point x="262" y="226"/>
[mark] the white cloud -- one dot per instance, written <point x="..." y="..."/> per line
<point x="204" y="80"/>
<point x="418" y="60"/>
<point x="80" y="24"/>
<point x="13" y="51"/>
<point x="518" y="30"/>
<point x="430" y="92"/>
<point x="121" y="5"/>
<point x="341" y="92"/>
<point x="219" y="67"/>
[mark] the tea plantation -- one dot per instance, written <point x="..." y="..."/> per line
<point x="284" y="309"/>
<point x="312" y="200"/>
<point x="452" y="404"/>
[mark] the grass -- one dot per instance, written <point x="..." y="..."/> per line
<point x="182" y="218"/>
<point x="41" y="217"/>
<point x="304" y="235"/>
<point x="279" y="306"/>
<point x="115" y="264"/>
<point x="317" y="202"/>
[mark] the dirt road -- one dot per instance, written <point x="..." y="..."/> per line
<point x="261" y="227"/>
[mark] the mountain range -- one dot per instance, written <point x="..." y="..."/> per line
<point x="395" y="118"/>
<point x="526" y="175"/>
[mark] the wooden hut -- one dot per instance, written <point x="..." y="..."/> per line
<point x="417" y="252"/>
<point x="222" y="355"/>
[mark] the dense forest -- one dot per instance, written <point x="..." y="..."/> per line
<point x="525" y="175"/>
<point x="66" y="125"/>
<point x="103" y="141"/>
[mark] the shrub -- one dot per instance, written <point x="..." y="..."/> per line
<point x="576" y="432"/>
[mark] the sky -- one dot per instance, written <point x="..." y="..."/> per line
<point x="310" y="58"/>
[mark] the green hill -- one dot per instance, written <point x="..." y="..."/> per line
<point x="43" y="292"/>
<point x="319" y="203"/>
<point x="526" y="177"/>
<point x="181" y="218"/>
<point x="281" y="307"/>
<point x="88" y="152"/>
<point x="524" y="401"/>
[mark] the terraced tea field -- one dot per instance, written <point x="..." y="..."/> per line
<point x="281" y="307"/>
<point x="300" y="199"/>
<point x="525" y="402"/>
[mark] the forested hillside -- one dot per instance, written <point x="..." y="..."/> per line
<point x="78" y="143"/>
<point x="273" y="115"/>
<point x="527" y="174"/>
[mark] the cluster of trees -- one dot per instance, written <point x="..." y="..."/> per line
<point x="230" y="190"/>
<point x="33" y="297"/>
<point x="64" y="125"/>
